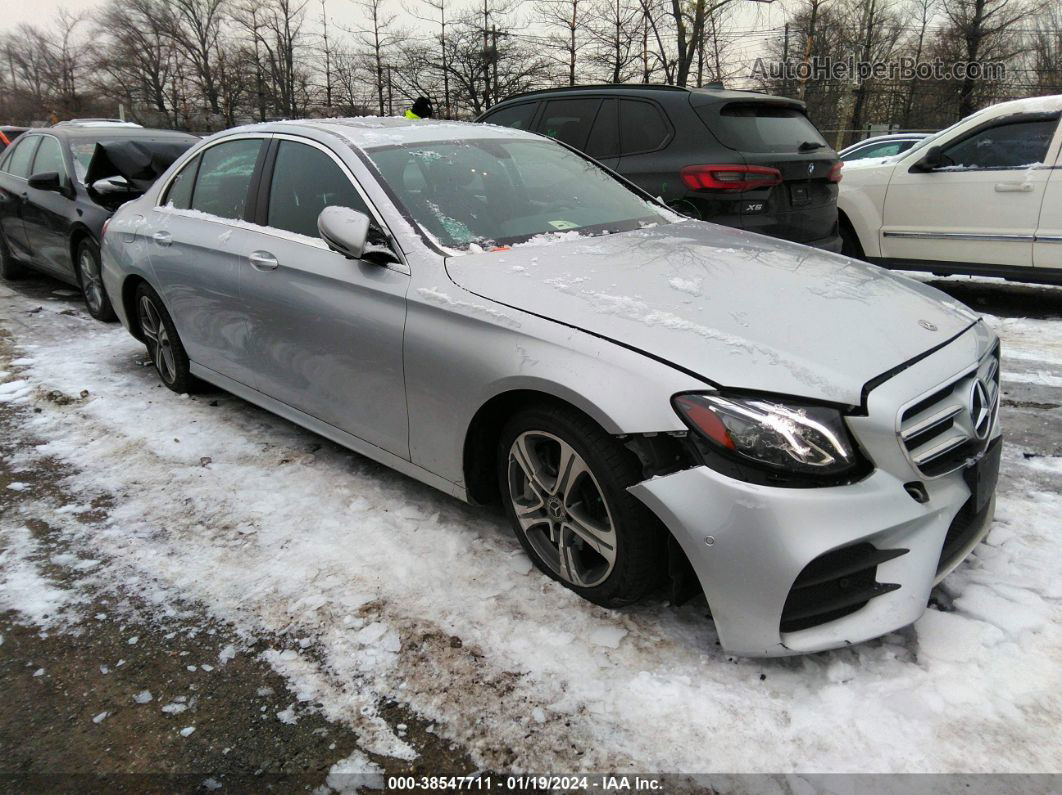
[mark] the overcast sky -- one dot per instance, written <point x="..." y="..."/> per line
<point x="748" y="29"/>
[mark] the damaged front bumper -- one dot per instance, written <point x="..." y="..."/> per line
<point x="796" y="570"/>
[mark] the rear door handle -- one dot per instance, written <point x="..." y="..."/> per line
<point x="263" y="261"/>
<point x="1014" y="187"/>
<point x="162" y="238"/>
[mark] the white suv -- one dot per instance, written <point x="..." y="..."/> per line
<point x="983" y="196"/>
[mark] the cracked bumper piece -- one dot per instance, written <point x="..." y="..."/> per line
<point x="791" y="571"/>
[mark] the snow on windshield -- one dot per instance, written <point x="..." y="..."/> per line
<point x="483" y="194"/>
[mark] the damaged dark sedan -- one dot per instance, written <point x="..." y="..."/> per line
<point x="58" y="187"/>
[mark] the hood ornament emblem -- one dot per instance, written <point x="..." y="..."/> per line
<point x="980" y="410"/>
<point x="927" y="325"/>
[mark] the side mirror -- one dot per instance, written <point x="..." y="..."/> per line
<point x="344" y="230"/>
<point x="932" y="159"/>
<point x="110" y="186"/>
<point x="46" y="180"/>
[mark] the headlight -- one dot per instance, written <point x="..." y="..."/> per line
<point x="798" y="444"/>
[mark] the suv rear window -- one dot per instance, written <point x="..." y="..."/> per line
<point x="755" y="127"/>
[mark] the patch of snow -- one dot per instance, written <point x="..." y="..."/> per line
<point x="23" y="586"/>
<point x="437" y="296"/>
<point x="143" y="697"/>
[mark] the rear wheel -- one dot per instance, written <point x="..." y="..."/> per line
<point x="10" y="269"/>
<point x="91" y="279"/>
<point x="564" y="484"/>
<point x="164" y="346"/>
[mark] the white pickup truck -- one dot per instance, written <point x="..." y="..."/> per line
<point x="983" y="196"/>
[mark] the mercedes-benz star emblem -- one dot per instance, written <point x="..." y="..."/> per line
<point x="811" y="168"/>
<point x="980" y="411"/>
<point x="927" y="325"/>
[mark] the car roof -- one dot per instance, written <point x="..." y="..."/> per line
<point x="917" y="136"/>
<point x="369" y="132"/>
<point x="75" y="133"/>
<point x="699" y="96"/>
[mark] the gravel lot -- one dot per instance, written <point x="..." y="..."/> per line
<point x="191" y="585"/>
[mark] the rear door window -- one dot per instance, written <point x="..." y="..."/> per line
<point x="224" y="178"/>
<point x="18" y="162"/>
<point x="305" y="181"/>
<point x="642" y="127"/>
<point x="604" y="137"/>
<point x="516" y="116"/>
<point x="1013" y="145"/>
<point x="753" y="127"/>
<point x="569" y="120"/>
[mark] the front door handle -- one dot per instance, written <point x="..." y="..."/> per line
<point x="162" y="238"/>
<point x="1014" y="187"/>
<point x="263" y="261"/>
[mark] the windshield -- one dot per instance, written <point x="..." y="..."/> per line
<point x="501" y="192"/>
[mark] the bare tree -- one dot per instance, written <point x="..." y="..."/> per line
<point x="613" y="26"/>
<point x="377" y="40"/>
<point x="562" y="19"/>
<point x="135" y="57"/>
<point x="977" y="31"/>
<point x="195" y="25"/>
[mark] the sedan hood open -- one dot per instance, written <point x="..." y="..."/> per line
<point x="738" y="309"/>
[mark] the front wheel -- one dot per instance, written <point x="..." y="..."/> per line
<point x="564" y="484"/>
<point x="164" y="346"/>
<point x="91" y="278"/>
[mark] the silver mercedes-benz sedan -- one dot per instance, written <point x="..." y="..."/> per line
<point x="658" y="403"/>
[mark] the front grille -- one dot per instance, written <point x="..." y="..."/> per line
<point x="943" y="430"/>
<point x="835" y="585"/>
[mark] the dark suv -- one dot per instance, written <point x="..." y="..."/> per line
<point x="737" y="158"/>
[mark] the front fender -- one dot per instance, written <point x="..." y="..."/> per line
<point x="456" y="361"/>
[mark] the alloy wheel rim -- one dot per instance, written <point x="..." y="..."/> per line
<point x="160" y="347"/>
<point x="91" y="283"/>
<point x="561" y="509"/>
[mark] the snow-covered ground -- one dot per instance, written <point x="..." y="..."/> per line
<point x="367" y="585"/>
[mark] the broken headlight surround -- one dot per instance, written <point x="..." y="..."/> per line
<point x="774" y="441"/>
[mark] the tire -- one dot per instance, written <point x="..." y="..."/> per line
<point x="615" y="547"/>
<point x="850" y="245"/>
<point x="163" y="344"/>
<point x="90" y="278"/>
<point x="10" y="268"/>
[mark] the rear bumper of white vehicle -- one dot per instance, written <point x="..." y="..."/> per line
<point x="796" y="570"/>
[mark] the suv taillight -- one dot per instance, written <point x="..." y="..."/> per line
<point x="730" y="177"/>
<point x="835" y="172"/>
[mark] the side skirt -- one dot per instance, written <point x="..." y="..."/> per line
<point x="1013" y="273"/>
<point x="330" y="432"/>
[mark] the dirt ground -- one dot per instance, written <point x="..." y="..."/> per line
<point x="56" y="684"/>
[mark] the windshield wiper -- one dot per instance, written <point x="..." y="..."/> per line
<point x="809" y="146"/>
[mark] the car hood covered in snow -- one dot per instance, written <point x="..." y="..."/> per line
<point x="738" y="309"/>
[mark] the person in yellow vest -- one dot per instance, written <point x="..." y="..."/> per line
<point x="421" y="110"/>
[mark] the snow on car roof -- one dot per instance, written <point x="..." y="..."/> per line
<point x="373" y="131"/>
